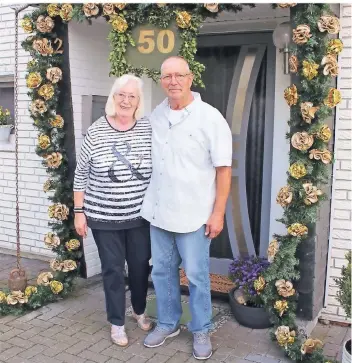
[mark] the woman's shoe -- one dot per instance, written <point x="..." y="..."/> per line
<point x="143" y="321"/>
<point x="118" y="335"/>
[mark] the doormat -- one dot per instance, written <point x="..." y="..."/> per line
<point x="220" y="313"/>
<point x="218" y="283"/>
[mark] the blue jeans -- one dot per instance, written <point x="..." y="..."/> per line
<point x="168" y="250"/>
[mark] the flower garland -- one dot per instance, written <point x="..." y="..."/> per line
<point x="311" y="99"/>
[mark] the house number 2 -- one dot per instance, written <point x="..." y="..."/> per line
<point x="164" y="39"/>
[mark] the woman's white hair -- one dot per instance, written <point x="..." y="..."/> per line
<point x="118" y="84"/>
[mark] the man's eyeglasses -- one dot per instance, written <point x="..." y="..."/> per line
<point x="122" y="96"/>
<point x="179" y="77"/>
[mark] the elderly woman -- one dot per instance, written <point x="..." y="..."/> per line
<point x="112" y="175"/>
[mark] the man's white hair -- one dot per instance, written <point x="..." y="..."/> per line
<point x="175" y="57"/>
<point x="110" y="109"/>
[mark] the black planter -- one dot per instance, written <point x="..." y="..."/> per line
<point x="250" y="317"/>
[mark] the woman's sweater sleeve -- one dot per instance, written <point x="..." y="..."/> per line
<point x="83" y="164"/>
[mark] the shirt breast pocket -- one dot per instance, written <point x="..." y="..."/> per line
<point x="191" y="146"/>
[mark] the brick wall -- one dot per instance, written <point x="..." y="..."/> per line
<point x="340" y="220"/>
<point x="33" y="201"/>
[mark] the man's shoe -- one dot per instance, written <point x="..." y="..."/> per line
<point x="202" y="348"/>
<point x="119" y="336"/>
<point x="158" y="336"/>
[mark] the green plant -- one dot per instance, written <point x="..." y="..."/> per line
<point x="344" y="285"/>
<point x="5" y="117"/>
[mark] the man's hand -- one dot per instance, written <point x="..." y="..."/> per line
<point x="214" y="225"/>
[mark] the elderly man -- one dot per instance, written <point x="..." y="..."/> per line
<point x="185" y="202"/>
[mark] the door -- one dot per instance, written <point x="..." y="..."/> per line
<point x="239" y="81"/>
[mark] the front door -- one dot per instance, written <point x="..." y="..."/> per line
<point x="239" y="81"/>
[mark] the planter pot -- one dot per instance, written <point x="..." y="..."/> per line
<point x="5" y="131"/>
<point x="346" y="352"/>
<point x="250" y="317"/>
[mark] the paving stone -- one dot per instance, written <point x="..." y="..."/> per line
<point x="138" y="348"/>
<point x="69" y="358"/>
<point x="159" y="358"/>
<point x="10" y="334"/>
<point x="40" y="358"/>
<point x="31" y="352"/>
<point x="117" y="353"/>
<point x="136" y="359"/>
<point x="261" y="359"/>
<point x="179" y="357"/>
<point x="101" y="345"/>
<point x="4" y="346"/>
<point x="53" y="330"/>
<point x="19" y="342"/>
<point x="78" y="347"/>
<point x="11" y="352"/>
<point x="95" y="357"/>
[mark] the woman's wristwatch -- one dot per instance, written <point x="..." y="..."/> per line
<point x="78" y="209"/>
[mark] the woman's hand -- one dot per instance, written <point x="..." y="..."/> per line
<point x="81" y="224"/>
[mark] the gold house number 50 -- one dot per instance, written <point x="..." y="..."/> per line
<point x="165" y="41"/>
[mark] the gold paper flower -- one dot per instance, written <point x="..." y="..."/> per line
<point x="55" y="265"/>
<point x="51" y="240"/>
<point x="287" y="5"/>
<point x="108" y="9"/>
<point x="302" y="141"/>
<point x="324" y="133"/>
<point x="160" y="5"/>
<point x="213" y="8"/>
<point x="333" y="98"/>
<point x="284" y="288"/>
<point x="183" y="19"/>
<point x="90" y="9"/>
<point x="284" y="196"/>
<point x="53" y="160"/>
<point x="301" y="34"/>
<point x="38" y="107"/>
<point x="43" y="141"/>
<point x="44" y="278"/>
<point x="17" y="297"/>
<point x="31" y="63"/>
<point x="291" y="95"/>
<point x="310" y="345"/>
<point x="120" y="6"/>
<point x="2" y="297"/>
<point x="297" y="230"/>
<point x="293" y="63"/>
<point x="312" y="193"/>
<point x="53" y="10"/>
<point x="46" y="91"/>
<point x="69" y="265"/>
<point x="323" y="155"/>
<point x="310" y="69"/>
<point x="56" y="286"/>
<point x="119" y="24"/>
<point x="72" y="244"/>
<point x="328" y="23"/>
<point x="297" y="170"/>
<point x="45" y="24"/>
<point x="58" y="211"/>
<point x="284" y="336"/>
<point x="54" y="74"/>
<point x="281" y="306"/>
<point x="308" y="111"/>
<point x="30" y="290"/>
<point x="26" y="25"/>
<point x="34" y="80"/>
<point x="47" y="186"/>
<point x="66" y="12"/>
<point x="259" y="284"/>
<point x="272" y="250"/>
<point x="43" y="46"/>
<point x="335" y="46"/>
<point x="331" y="68"/>
<point x="57" y="122"/>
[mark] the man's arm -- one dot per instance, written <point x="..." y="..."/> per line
<point x="215" y="223"/>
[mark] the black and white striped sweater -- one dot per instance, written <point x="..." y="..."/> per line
<point x="114" y="169"/>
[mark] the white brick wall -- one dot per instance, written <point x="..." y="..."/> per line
<point x="33" y="201"/>
<point x="89" y="51"/>
<point x="341" y="218"/>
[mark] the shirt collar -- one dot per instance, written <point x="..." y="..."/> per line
<point x="196" y="99"/>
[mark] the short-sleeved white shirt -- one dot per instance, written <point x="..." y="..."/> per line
<point x="187" y="146"/>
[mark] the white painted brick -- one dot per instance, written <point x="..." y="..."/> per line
<point x="343" y="175"/>
<point x="340" y="262"/>
<point x="342" y="184"/>
<point x="339" y="254"/>
<point x="341" y="234"/>
<point x="346" y="165"/>
<point x="346" y="11"/>
<point x="342" y="214"/>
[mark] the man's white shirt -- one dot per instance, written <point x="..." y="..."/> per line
<point x="187" y="146"/>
